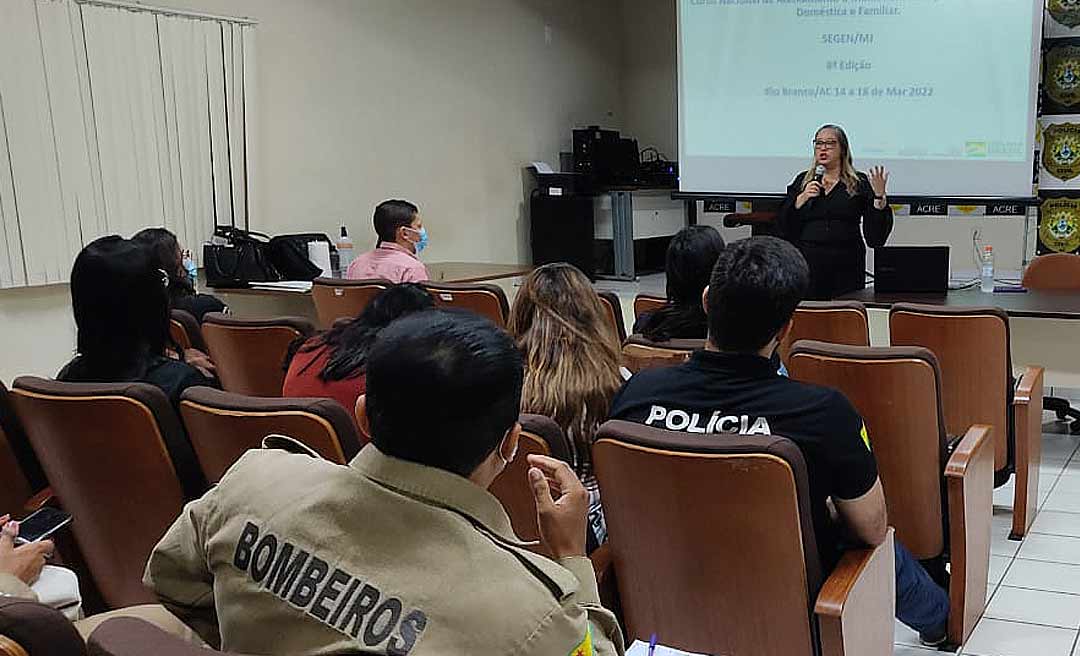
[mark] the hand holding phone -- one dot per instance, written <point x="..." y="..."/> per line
<point x="26" y="561"/>
<point x="41" y="523"/>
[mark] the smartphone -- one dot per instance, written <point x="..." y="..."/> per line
<point x="41" y="523"/>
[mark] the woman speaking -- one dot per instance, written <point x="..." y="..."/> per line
<point x="822" y="213"/>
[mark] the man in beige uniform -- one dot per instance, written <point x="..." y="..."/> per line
<point x="402" y="551"/>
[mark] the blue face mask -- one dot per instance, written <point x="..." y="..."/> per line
<point x="422" y="244"/>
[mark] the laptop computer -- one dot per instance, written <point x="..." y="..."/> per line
<point x="911" y="269"/>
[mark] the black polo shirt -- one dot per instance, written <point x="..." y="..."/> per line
<point x="716" y="393"/>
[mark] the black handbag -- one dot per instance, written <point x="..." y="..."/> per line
<point x="289" y="255"/>
<point x="242" y="259"/>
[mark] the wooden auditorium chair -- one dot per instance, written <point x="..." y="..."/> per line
<point x="714" y="551"/>
<point x="223" y="425"/>
<point x="540" y="435"/>
<point x="185" y="331"/>
<point x="21" y="477"/>
<point x="639" y="353"/>
<point x="119" y="462"/>
<point x="484" y="299"/>
<point x="647" y="303"/>
<point x="613" y="307"/>
<point x="939" y="495"/>
<point x="337" y="298"/>
<point x="250" y="353"/>
<point x="1056" y="272"/>
<point x="973" y="348"/>
<point x="28" y="628"/>
<point x="836" y="322"/>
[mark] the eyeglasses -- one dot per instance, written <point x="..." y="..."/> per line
<point x="827" y="145"/>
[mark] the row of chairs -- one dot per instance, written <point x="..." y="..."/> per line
<point x="972" y="350"/>
<point x="108" y="452"/>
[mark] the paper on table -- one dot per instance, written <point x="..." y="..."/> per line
<point x="299" y="286"/>
<point x="319" y="254"/>
<point x="542" y="167"/>
<point x="640" y="648"/>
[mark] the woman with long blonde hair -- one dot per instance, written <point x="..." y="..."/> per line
<point x="830" y="209"/>
<point x="571" y="363"/>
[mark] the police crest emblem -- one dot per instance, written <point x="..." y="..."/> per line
<point x="1061" y="150"/>
<point x="1059" y="225"/>
<point x="1066" y="12"/>
<point x="1062" y="75"/>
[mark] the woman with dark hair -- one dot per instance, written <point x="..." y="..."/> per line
<point x="402" y="237"/>
<point x="165" y="250"/>
<point x="121" y="310"/>
<point x="332" y="364"/>
<point x="690" y="259"/>
<point x="833" y="212"/>
<point x="121" y="305"/>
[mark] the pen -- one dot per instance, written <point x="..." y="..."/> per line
<point x="652" y="644"/>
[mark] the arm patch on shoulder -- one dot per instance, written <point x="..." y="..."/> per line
<point x="584" y="648"/>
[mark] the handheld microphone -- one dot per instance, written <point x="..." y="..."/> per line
<point x="819" y="175"/>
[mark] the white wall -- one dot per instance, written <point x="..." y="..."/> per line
<point x="442" y="103"/>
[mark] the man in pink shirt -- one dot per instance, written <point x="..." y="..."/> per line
<point x="401" y="238"/>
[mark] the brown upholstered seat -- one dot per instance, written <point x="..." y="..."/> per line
<point x="222" y="426"/>
<point x="1056" y="271"/>
<point x="897" y="391"/>
<point x="640" y="353"/>
<point x="484" y="299"/>
<point x="836" y="322"/>
<point x="647" y="303"/>
<point x="539" y="435"/>
<point x="336" y="298"/>
<point x="714" y="548"/>
<point x="185" y="331"/>
<point x="250" y="353"/>
<point x="130" y="636"/>
<point x="613" y="306"/>
<point x="119" y="462"/>
<point x="28" y="628"/>
<point x="973" y="348"/>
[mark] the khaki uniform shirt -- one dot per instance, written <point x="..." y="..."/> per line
<point x="290" y="555"/>
<point x="12" y="586"/>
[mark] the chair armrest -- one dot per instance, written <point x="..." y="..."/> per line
<point x="131" y="636"/>
<point x="1027" y="436"/>
<point x="39" y="500"/>
<point x="969" y="477"/>
<point x="856" y="606"/>
<point x="604" y="564"/>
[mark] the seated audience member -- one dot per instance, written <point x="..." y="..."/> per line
<point x="571" y="364"/>
<point x="167" y="256"/>
<point x="403" y="550"/>
<point x="690" y="258"/>
<point x="122" y="318"/>
<point x="755" y="287"/>
<point x="331" y="364"/>
<point x="402" y="237"/>
<point x="24" y="574"/>
<point x="20" y="566"/>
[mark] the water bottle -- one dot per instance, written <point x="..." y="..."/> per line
<point x="190" y="268"/>
<point x="345" y="251"/>
<point x="988" y="269"/>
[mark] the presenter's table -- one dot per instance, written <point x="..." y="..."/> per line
<point x="278" y="302"/>
<point x="1044" y="326"/>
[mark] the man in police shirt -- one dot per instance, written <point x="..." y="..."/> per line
<point x="402" y="551"/>
<point x="732" y="387"/>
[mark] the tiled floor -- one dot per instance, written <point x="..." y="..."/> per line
<point x="1034" y="588"/>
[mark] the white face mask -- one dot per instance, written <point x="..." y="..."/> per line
<point x="506" y="461"/>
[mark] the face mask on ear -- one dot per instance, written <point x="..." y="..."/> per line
<point x="421" y="243"/>
<point x="506" y="461"/>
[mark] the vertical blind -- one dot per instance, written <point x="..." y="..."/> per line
<point x="114" y="118"/>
